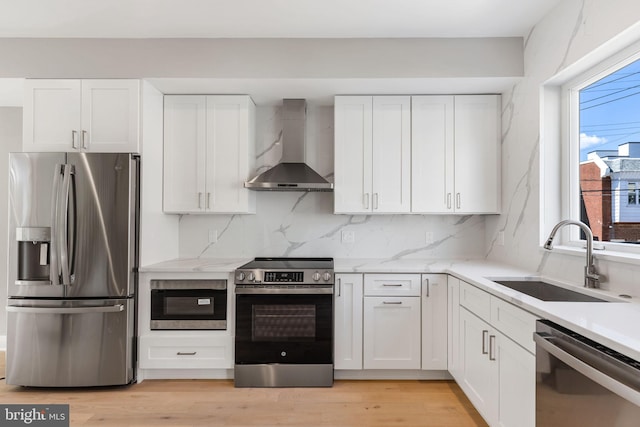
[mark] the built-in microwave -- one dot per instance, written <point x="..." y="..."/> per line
<point x="188" y="304"/>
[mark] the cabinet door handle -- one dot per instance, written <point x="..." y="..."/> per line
<point x="199" y="200"/>
<point x="392" y="302"/>
<point x="457" y="200"/>
<point x="427" y="282"/>
<point x="492" y="344"/>
<point x="366" y="200"/>
<point x="339" y="286"/>
<point x="84" y="139"/>
<point x="74" y="139"/>
<point x="375" y="201"/>
<point x="484" y="341"/>
<point x="208" y="200"/>
<point x="448" y="200"/>
<point x="186" y="353"/>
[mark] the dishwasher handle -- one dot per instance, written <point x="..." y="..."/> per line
<point x="545" y="341"/>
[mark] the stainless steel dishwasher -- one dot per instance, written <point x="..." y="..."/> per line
<point x="582" y="383"/>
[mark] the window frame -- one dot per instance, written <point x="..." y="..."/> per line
<point x="570" y="151"/>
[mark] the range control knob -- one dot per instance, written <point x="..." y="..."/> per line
<point x="251" y="277"/>
<point x="240" y="276"/>
<point x="316" y="276"/>
<point x="326" y="276"/>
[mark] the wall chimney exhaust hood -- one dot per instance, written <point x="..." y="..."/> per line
<point x="291" y="174"/>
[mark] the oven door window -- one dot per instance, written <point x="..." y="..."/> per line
<point x="284" y="329"/>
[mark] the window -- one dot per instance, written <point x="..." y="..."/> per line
<point x="632" y="197"/>
<point x="604" y="132"/>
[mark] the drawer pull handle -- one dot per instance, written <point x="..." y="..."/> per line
<point x="185" y="353"/>
<point x="392" y="284"/>
<point x="392" y="302"/>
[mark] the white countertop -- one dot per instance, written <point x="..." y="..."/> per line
<point x="613" y="324"/>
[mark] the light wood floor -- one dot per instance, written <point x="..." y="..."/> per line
<point x="217" y="403"/>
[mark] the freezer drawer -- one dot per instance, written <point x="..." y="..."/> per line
<point x="70" y="343"/>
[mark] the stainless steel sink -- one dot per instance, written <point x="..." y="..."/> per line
<point x="546" y="291"/>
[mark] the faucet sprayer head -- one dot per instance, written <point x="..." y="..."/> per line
<point x="548" y="245"/>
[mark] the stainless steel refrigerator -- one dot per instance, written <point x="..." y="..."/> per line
<point x="72" y="273"/>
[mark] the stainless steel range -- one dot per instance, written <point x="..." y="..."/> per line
<point x="284" y="323"/>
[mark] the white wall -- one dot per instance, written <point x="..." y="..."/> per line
<point x="10" y="140"/>
<point x="574" y="35"/>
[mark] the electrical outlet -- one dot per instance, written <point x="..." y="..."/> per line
<point x="500" y="238"/>
<point x="428" y="237"/>
<point x="348" y="236"/>
<point x="213" y="236"/>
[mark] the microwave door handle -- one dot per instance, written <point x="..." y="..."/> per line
<point x="54" y="269"/>
<point x="622" y="390"/>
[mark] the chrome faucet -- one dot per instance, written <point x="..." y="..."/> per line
<point x="591" y="276"/>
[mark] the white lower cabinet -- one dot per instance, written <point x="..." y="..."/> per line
<point x="348" y="321"/>
<point x="434" y="319"/>
<point x="208" y="351"/>
<point x="496" y="371"/>
<point x="391" y="333"/>
<point x="453" y="327"/>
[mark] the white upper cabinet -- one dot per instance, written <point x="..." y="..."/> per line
<point x="208" y="149"/>
<point x="100" y="115"/>
<point x="372" y="154"/>
<point x="456" y="154"/>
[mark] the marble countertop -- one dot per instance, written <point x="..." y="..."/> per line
<point x="614" y="324"/>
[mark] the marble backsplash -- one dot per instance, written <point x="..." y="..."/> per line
<point x="303" y="224"/>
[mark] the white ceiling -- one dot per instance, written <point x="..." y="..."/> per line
<point x="270" y="18"/>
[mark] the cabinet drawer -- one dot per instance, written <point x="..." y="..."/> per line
<point x="175" y="352"/>
<point x="392" y="285"/>
<point x="516" y="323"/>
<point x="476" y="300"/>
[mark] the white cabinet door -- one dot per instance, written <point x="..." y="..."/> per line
<point x="100" y="115"/>
<point x="353" y="126"/>
<point x="52" y="118"/>
<point x="453" y="328"/>
<point x="434" y="321"/>
<point x="184" y="153"/>
<point x="348" y="321"/>
<point x="479" y="375"/>
<point x="110" y="116"/>
<point x="230" y="142"/>
<point x="391" y="154"/>
<point x="432" y="157"/>
<point x="208" y="152"/>
<point x="391" y="333"/>
<point x="477" y="154"/>
<point x="516" y="383"/>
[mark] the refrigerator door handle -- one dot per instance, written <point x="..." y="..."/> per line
<point x="67" y="310"/>
<point x="54" y="270"/>
<point x="62" y="226"/>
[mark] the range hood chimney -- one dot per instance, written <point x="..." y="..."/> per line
<point x="291" y="174"/>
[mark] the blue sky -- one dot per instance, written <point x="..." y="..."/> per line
<point x="610" y="111"/>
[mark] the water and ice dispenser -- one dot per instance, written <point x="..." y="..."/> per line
<point x="33" y="254"/>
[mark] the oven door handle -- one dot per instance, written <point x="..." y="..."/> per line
<point x="284" y="291"/>
<point x="622" y="390"/>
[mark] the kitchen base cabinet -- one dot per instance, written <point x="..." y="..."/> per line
<point x="391" y="333"/>
<point x="348" y="321"/>
<point x="208" y="351"/>
<point x="453" y="327"/>
<point x="434" y="319"/>
<point x="496" y="371"/>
